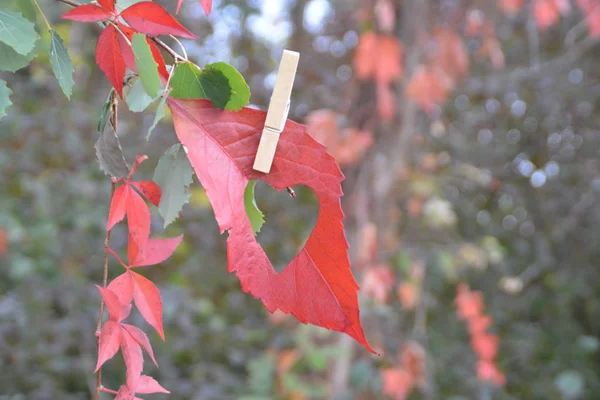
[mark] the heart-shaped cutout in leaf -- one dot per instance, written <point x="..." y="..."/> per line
<point x="287" y="221"/>
<point x="317" y="286"/>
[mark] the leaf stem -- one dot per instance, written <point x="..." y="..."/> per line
<point x="180" y="45"/>
<point x="43" y="15"/>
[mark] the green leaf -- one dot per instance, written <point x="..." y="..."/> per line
<point x="5" y="102"/>
<point x="219" y="82"/>
<point x="174" y="175"/>
<point x="160" y="113"/>
<point x="17" y="32"/>
<point x="256" y="217"/>
<point x="137" y="99"/>
<point x="12" y="61"/>
<point x="145" y="65"/>
<point x="240" y="91"/>
<point x="105" y="112"/>
<point x="26" y="8"/>
<point x="61" y="64"/>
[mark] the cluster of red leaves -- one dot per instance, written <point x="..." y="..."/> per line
<point x="346" y="145"/>
<point x="448" y="64"/>
<point x="399" y="382"/>
<point x="469" y="305"/>
<point x="379" y="58"/>
<point x="131" y="287"/>
<point x="548" y="12"/>
<point x="113" y="50"/>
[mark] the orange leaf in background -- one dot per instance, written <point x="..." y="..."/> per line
<point x="386" y="15"/>
<point x="469" y="303"/>
<point x="510" y="7"/>
<point x="479" y="324"/>
<point x="396" y="383"/>
<point x="377" y="283"/>
<point x="347" y="146"/>
<point x="451" y="54"/>
<point x="364" y="64"/>
<point x="3" y="242"/>
<point x="286" y="360"/>
<point x="379" y="57"/>
<point x="412" y="358"/>
<point x="492" y="50"/>
<point x="546" y="13"/>
<point x="367" y="244"/>
<point x="591" y="9"/>
<point x="408" y="295"/>
<point x="488" y="371"/>
<point x="385" y="101"/>
<point x="428" y="87"/>
<point x="485" y="346"/>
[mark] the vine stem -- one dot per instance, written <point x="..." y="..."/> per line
<point x="43" y="15"/>
<point x="107" y="250"/>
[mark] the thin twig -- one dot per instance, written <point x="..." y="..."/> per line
<point x="43" y="15"/>
<point x="70" y="2"/>
<point x="168" y="49"/>
<point x="180" y="45"/>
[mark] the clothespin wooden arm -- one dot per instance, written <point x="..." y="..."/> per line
<point x="278" y="111"/>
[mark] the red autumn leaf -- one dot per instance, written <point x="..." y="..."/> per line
<point x="125" y="393"/>
<point x="428" y="87"/>
<point x="118" y="206"/>
<point x="148" y="301"/>
<point x="107" y="4"/>
<point x="150" y="190"/>
<point x="141" y="338"/>
<point x="546" y="13"/>
<point x="488" y="371"/>
<point x="485" y="346"/>
<point x="397" y="383"/>
<point x="108" y="343"/>
<point x="379" y="57"/>
<point x="113" y="304"/>
<point x="109" y="58"/>
<point x="128" y="56"/>
<point x="317" y="286"/>
<point x="138" y="218"/>
<point x="591" y="10"/>
<point x="87" y="13"/>
<point x="122" y="287"/>
<point x="150" y="18"/>
<point x="206" y="5"/>
<point x="511" y="7"/>
<point x="155" y="251"/>
<point x="450" y="54"/>
<point x="134" y="359"/>
<point x="378" y="282"/>
<point x="148" y="385"/>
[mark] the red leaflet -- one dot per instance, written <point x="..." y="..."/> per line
<point x="317" y="286"/>
<point x="148" y="301"/>
<point x="87" y="13"/>
<point x="127" y="201"/>
<point x="206" y="5"/>
<point x="141" y="338"/>
<point x="150" y="18"/>
<point x="112" y="304"/>
<point x="108" y="343"/>
<point x="128" y="56"/>
<point x="134" y="360"/>
<point x="122" y="286"/>
<point x="109" y="58"/>
<point x="148" y="385"/>
<point x="150" y="190"/>
<point x="155" y="252"/>
<point x="108" y="4"/>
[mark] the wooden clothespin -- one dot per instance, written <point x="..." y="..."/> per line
<point x="278" y="111"/>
